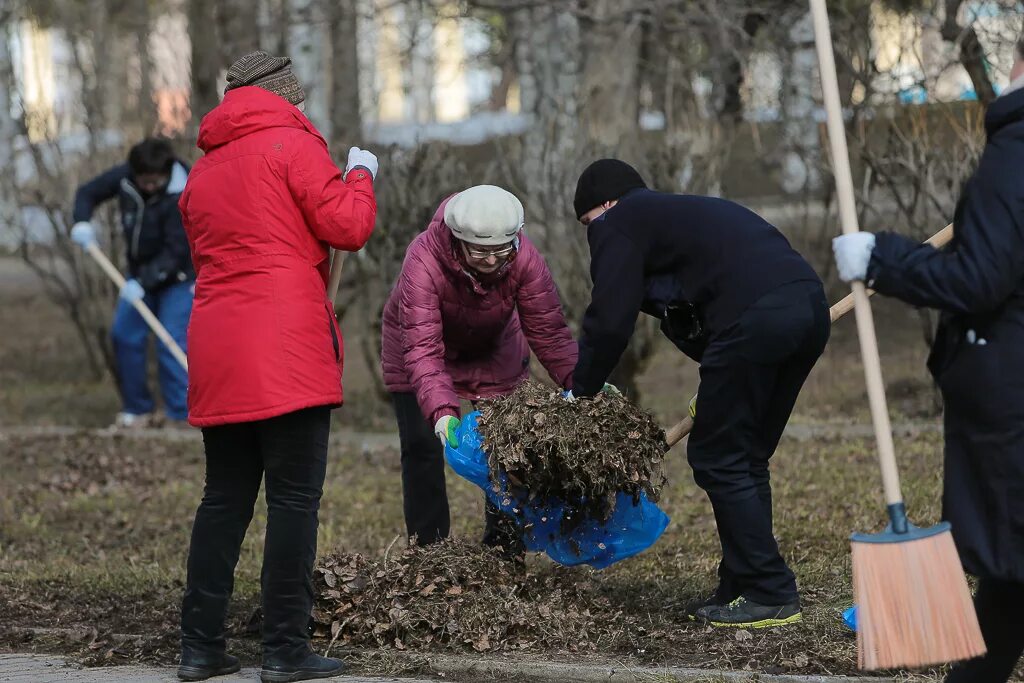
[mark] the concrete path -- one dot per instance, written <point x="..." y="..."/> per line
<point x="26" y="668"/>
<point x="49" y="669"/>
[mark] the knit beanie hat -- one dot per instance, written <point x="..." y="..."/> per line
<point x="267" y="72"/>
<point x="605" y="180"/>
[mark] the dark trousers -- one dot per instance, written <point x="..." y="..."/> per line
<point x="290" y="452"/>
<point x="750" y="377"/>
<point x="1000" y="607"/>
<point x="424" y="494"/>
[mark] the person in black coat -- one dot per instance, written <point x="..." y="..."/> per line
<point x="978" y="361"/>
<point x="160" y="272"/>
<point x="732" y="294"/>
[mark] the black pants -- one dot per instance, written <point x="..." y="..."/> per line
<point x="750" y="377"/>
<point x="424" y="494"/>
<point x="290" y="451"/>
<point x="1000" y="607"/>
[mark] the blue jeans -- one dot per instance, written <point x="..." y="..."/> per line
<point x="172" y="306"/>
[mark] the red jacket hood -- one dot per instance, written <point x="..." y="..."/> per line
<point x="247" y="110"/>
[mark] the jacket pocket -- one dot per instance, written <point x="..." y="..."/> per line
<point x="334" y="332"/>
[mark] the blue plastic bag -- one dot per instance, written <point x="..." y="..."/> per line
<point x="850" y="618"/>
<point x="631" y="529"/>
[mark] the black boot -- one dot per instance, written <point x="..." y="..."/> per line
<point x="197" y="667"/>
<point x="313" y="666"/>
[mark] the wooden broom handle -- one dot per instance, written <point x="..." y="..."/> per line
<point x="334" y="280"/>
<point x="848" y="217"/>
<point x="154" y="324"/>
<point x="845" y="305"/>
<point x="676" y="432"/>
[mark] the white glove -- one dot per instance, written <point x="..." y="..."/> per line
<point x="132" y="291"/>
<point x="853" y="254"/>
<point x="445" y="428"/>
<point x="364" y="158"/>
<point x="83" y="234"/>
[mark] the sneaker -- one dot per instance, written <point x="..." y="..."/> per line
<point x="133" y="421"/>
<point x="314" y="666"/>
<point x="691" y="608"/>
<point x="199" y="669"/>
<point x="744" y="613"/>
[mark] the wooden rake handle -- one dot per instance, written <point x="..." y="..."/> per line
<point x="848" y="218"/>
<point x="334" y="280"/>
<point x="676" y="432"/>
<point x="159" y="330"/>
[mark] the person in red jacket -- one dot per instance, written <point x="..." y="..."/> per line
<point x="261" y="210"/>
<point x="473" y="298"/>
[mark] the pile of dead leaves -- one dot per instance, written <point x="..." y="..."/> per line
<point x="582" y="452"/>
<point x="452" y="595"/>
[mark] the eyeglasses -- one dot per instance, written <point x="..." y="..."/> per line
<point x="486" y="253"/>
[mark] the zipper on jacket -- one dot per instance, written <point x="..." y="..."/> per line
<point x="129" y="189"/>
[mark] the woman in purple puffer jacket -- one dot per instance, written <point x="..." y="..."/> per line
<point x="473" y="298"/>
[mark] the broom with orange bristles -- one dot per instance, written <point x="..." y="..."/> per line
<point x="914" y="606"/>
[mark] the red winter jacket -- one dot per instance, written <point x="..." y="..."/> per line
<point x="446" y="334"/>
<point x="260" y="209"/>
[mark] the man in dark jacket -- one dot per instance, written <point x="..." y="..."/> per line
<point x="160" y="272"/>
<point x="977" y="360"/>
<point x="732" y="294"/>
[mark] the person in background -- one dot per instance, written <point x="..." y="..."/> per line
<point x="733" y="295"/>
<point x="978" y="285"/>
<point x="473" y="298"/>
<point x="262" y="209"/>
<point x="160" y="274"/>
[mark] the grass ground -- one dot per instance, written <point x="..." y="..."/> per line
<point x="94" y="528"/>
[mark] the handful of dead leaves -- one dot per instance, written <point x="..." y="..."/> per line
<point x="582" y="453"/>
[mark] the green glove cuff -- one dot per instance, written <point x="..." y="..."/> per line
<point x="450" y="433"/>
<point x="693" y="406"/>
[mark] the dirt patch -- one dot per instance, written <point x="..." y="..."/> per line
<point x="582" y="452"/>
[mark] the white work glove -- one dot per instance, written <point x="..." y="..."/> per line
<point x="132" y="291"/>
<point x="83" y="234"/>
<point x="445" y="431"/>
<point x="853" y="254"/>
<point x="364" y="158"/>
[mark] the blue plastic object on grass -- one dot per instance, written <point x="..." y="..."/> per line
<point x="850" y="617"/>
<point x="632" y="528"/>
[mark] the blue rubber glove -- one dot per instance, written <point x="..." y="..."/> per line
<point x="132" y="291"/>
<point x="445" y="429"/>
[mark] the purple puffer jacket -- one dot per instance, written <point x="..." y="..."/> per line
<point x="447" y="335"/>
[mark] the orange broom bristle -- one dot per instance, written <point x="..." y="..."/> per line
<point x="914" y="608"/>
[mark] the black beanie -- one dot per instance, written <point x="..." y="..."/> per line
<point x="603" y="181"/>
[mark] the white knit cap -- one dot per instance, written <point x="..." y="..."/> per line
<point x="485" y="215"/>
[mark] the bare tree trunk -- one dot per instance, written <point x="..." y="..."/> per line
<point x="611" y="81"/>
<point x="146" y="104"/>
<point x="345" y="114"/>
<point x="306" y="49"/>
<point x="238" y="29"/>
<point x="202" y="28"/>
<point x="801" y="146"/>
<point x="972" y="54"/>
